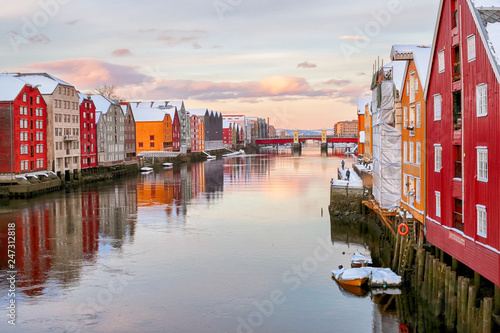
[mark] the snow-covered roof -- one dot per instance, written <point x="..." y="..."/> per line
<point x="10" y="87"/>
<point x="83" y="96"/>
<point x="398" y="72"/>
<point x="486" y="14"/>
<point x="226" y="124"/>
<point x="362" y="103"/>
<point x="101" y="103"/>
<point x="197" y="112"/>
<point x="46" y="82"/>
<point x="148" y="114"/>
<point x="421" y="55"/>
<point x="178" y="104"/>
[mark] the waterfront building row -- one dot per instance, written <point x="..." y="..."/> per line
<point x="431" y="131"/>
<point x="47" y="125"/>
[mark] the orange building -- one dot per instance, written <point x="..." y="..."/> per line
<point x="362" y="103"/>
<point x="413" y="172"/>
<point x="368" y="133"/>
<point x="153" y="130"/>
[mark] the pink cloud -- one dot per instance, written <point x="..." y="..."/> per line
<point x="281" y="87"/>
<point x="337" y="82"/>
<point x="353" y="38"/>
<point x="306" y="64"/>
<point x="89" y="73"/>
<point x="122" y="52"/>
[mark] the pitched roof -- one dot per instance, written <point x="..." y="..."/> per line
<point x="148" y="114"/>
<point x="486" y="14"/>
<point x="421" y="55"/>
<point x="10" y="87"/>
<point x="177" y="104"/>
<point x="46" y="82"/>
<point x="398" y="72"/>
<point x="362" y="103"/>
<point x="101" y="103"/>
<point x="197" y="112"/>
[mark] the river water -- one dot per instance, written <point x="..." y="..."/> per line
<point x="242" y="244"/>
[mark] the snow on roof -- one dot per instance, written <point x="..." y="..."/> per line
<point x="178" y="104"/>
<point x="101" y="103"/>
<point x="486" y="15"/>
<point x="197" y="112"/>
<point x="149" y="114"/>
<point x="46" y="82"/>
<point x="486" y="3"/>
<point x="226" y="124"/>
<point x="421" y="55"/>
<point x="398" y="72"/>
<point x="82" y="97"/>
<point x="10" y="87"/>
<point x="362" y="103"/>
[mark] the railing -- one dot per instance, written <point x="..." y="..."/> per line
<point x="70" y="138"/>
<point x="456" y="71"/>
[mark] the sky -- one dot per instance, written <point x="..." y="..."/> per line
<point x="302" y="64"/>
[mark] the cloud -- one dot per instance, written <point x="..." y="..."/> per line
<point x="360" y="73"/>
<point x="72" y="22"/>
<point x="90" y="73"/>
<point x="353" y="38"/>
<point x="196" y="46"/>
<point x="306" y="64"/>
<point x="338" y="82"/>
<point x="351" y="93"/>
<point x="121" y="52"/>
<point x="281" y="87"/>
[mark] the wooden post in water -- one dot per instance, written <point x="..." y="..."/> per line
<point x="420" y="266"/>
<point x="487" y="311"/>
<point x="477" y="280"/>
<point x="447" y="271"/>
<point x="454" y="264"/>
<point x="396" y="252"/>
<point x="453" y="298"/>
<point x="471" y="305"/>
<point x="431" y="275"/>
<point x="497" y="300"/>
<point x="465" y="294"/>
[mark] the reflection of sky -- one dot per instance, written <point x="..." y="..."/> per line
<point x="200" y="271"/>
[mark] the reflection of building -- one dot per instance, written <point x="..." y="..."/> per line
<point x="88" y="132"/>
<point x="346" y="128"/>
<point x="90" y="223"/>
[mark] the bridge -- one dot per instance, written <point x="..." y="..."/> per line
<point x="302" y="138"/>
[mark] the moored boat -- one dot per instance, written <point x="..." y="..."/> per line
<point x="168" y="165"/>
<point x="350" y="277"/>
<point x="146" y="169"/>
<point x="360" y="260"/>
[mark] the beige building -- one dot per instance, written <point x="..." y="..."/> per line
<point x="346" y="128"/>
<point x="63" y="123"/>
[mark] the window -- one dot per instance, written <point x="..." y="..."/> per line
<point x="481" y="100"/>
<point x="25" y="97"/>
<point x="438" y="204"/>
<point x="441" y="61"/>
<point x="407" y="88"/>
<point x="37" y="99"/>
<point x="416" y="84"/>
<point x="418" y="150"/>
<point x="151" y="137"/>
<point x="417" y="191"/>
<point x="405" y="151"/>
<point x="24" y="149"/>
<point x="412" y="87"/>
<point x="437" y="107"/>
<point x="405" y="117"/>
<point x="412" y="117"/>
<point x="411" y="152"/>
<point x="471" y="48"/>
<point x="437" y="157"/>
<point x="481" y="220"/>
<point x="152" y="144"/>
<point x="482" y="164"/>
<point x="141" y="144"/>
<point x="419" y="115"/>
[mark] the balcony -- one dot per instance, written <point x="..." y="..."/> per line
<point x="70" y="138"/>
<point x="457" y="221"/>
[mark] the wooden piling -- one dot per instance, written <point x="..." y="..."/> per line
<point x="471" y="305"/>
<point x="463" y="303"/>
<point x="487" y="312"/>
<point x="420" y="267"/>
<point x="497" y="300"/>
<point x="454" y="264"/>
<point x="396" y="252"/>
<point x="477" y="280"/>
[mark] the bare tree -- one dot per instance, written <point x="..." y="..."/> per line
<point x="106" y="90"/>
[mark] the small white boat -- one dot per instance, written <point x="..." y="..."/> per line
<point x="210" y="157"/>
<point x="359" y="260"/>
<point x="146" y="169"/>
<point x="168" y="165"/>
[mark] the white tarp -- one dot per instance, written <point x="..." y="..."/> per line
<point x="386" y="149"/>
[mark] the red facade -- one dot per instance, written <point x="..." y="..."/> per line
<point x="463" y="214"/>
<point x="176" y="130"/>
<point x="88" y="133"/>
<point x="195" y="135"/>
<point x="23" y="132"/>
<point x="228" y="135"/>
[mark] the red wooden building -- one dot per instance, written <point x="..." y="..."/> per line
<point x="176" y="128"/>
<point x="23" y="127"/>
<point x="463" y="121"/>
<point x="227" y="131"/>
<point x="88" y="132"/>
<point x="196" y="136"/>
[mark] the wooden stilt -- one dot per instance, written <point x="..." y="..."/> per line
<point x="487" y="311"/>
<point x="471" y="305"/>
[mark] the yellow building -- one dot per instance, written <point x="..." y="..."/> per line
<point x="413" y="171"/>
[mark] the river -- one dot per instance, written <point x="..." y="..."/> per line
<point x="242" y="244"/>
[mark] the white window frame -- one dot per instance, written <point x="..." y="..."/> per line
<point x="437" y="106"/>
<point x="411" y="117"/>
<point x="438" y="203"/>
<point x="418" y="121"/>
<point x="405" y="117"/>
<point x="418" y="150"/>
<point x="438" y="154"/>
<point x="471" y="48"/>
<point x="482" y="100"/>
<point x="482" y="164"/>
<point x="441" y="66"/>
<point x="412" y="87"/>
<point x="416" y="84"/>
<point x="405" y="151"/>
<point x="482" y="221"/>
<point x="411" y="152"/>
<point x="417" y="191"/>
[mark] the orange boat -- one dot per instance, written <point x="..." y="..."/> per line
<point x="352" y="277"/>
